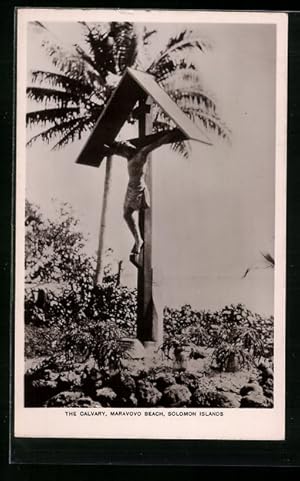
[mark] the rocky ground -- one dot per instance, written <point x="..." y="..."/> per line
<point x="146" y="383"/>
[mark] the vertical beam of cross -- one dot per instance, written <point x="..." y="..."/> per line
<point x="149" y="328"/>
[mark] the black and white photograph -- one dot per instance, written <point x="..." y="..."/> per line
<point x="150" y="234"/>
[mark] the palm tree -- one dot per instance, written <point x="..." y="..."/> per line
<point x="75" y="93"/>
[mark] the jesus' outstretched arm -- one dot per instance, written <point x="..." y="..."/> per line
<point x="164" y="138"/>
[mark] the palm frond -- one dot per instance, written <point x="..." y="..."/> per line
<point x="70" y="62"/>
<point x="95" y="110"/>
<point x="269" y="258"/>
<point x="195" y="102"/>
<point x="185" y="40"/>
<point x="86" y="79"/>
<point x="184" y="36"/>
<point x="175" y="72"/>
<point x="147" y="34"/>
<point x="112" y="49"/>
<point x="38" y="24"/>
<point x="182" y="148"/>
<point x="161" y="120"/>
<point x="89" y="60"/>
<point x="74" y="133"/>
<point x="61" y="81"/>
<point x="163" y="123"/>
<point x="60" y="129"/>
<point x="41" y="94"/>
<point x="50" y="115"/>
<point x="190" y="98"/>
<point x="160" y="124"/>
<point x="208" y="122"/>
<point x="163" y="70"/>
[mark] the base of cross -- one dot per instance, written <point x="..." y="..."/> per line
<point x="149" y="322"/>
<point x="135" y="349"/>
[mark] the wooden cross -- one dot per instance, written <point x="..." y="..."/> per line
<point x="139" y="87"/>
<point x="149" y="323"/>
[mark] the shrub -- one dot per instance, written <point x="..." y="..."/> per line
<point x="239" y="337"/>
<point x="238" y="340"/>
<point x="178" y="321"/>
<point x="62" y="297"/>
<point x="231" y="357"/>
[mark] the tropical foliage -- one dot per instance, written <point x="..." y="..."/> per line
<point x="74" y="93"/>
<point x="237" y="336"/>
<point x="60" y="293"/>
<point x="53" y="247"/>
<point x="70" y="317"/>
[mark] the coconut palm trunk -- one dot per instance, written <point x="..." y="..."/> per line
<point x="102" y="231"/>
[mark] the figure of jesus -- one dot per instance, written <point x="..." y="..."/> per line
<point x="137" y="195"/>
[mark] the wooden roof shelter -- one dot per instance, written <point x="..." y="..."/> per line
<point x="134" y="86"/>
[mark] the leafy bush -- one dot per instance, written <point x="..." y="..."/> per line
<point x="231" y="357"/>
<point x="238" y="340"/>
<point x="79" y="318"/>
<point x="184" y="328"/>
<point x="177" y="321"/>
<point x="67" y="314"/>
<point x="40" y="341"/>
<point x="97" y="340"/>
<point x="239" y="337"/>
<point x="53" y="247"/>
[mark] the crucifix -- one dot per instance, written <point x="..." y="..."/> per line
<point x="134" y="94"/>
<point x="149" y="326"/>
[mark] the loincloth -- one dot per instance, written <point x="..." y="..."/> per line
<point x="136" y="199"/>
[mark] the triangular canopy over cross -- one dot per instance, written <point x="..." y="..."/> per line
<point x="134" y="86"/>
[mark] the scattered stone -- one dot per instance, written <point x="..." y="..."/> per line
<point x="164" y="380"/>
<point x="189" y="379"/>
<point x="123" y="384"/>
<point x="91" y="373"/>
<point x="71" y="399"/>
<point x="214" y="399"/>
<point x="198" y="352"/>
<point x="105" y="396"/>
<point x="176" y="395"/>
<point x="255" y="400"/>
<point x="38" y="391"/>
<point x="265" y="373"/>
<point x="227" y="385"/>
<point x="133" y="347"/>
<point x="91" y="380"/>
<point x="231" y="400"/>
<point x="44" y="384"/>
<point x="268" y="388"/>
<point x="68" y="380"/>
<point x="251" y="387"/>
<point x="86" y="402"/>
<point x="50" y="375"/>
<point x="129" y="402"/>
<point x="147" y="394"/>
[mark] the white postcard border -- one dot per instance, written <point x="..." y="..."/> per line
<point x="226" y="424"/>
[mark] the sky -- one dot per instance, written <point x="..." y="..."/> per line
<point x="213" y="213"/>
